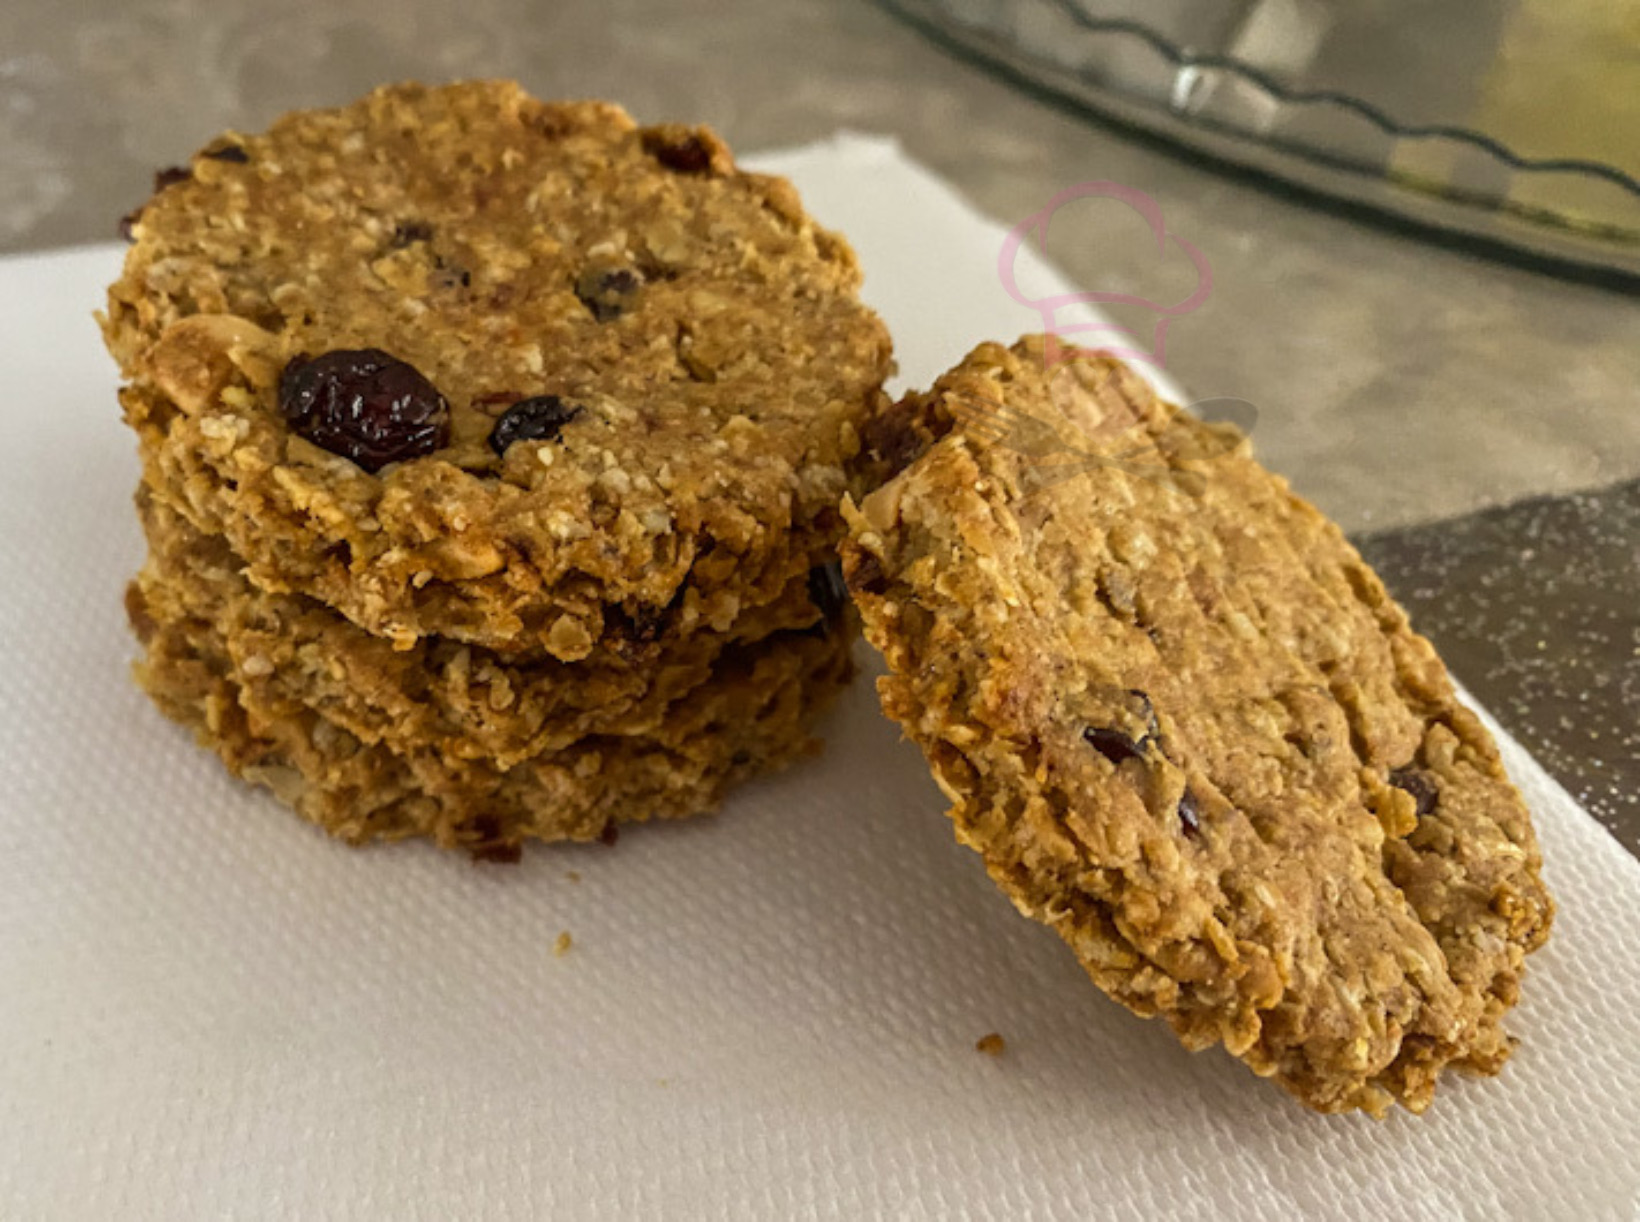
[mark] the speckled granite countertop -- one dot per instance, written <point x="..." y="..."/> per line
<point x="1476" y="425"/>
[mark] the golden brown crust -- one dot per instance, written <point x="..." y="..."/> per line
<point x="473" y="703"/>
<point x="598" y="611"/>
<point x="465" y="229"/>
<point x="751" y="715"/>
<point x="1186" y="727"/>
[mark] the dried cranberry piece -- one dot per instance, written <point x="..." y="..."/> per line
<point x="128" y="224"/>
<point x="1113" y="744"/>
<point x="539" y="419"/>
<point x="609" y="834"/>
<point x="606" y="290"/>
<point x="1190" y="814"/>
<point x="1117" y="746"/>
<point x="170" y="176"/>
<point x="1417" y="783"/>
<point x="893" y="441"/>
<point x="228" y="152"/>
<point x="684" y="152"/>
<point x="365" y="405"/>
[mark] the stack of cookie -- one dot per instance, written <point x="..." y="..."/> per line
<point x="492" y="457"/>
<point x="495" y="455"/>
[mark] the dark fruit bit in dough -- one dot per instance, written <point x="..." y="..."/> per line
<point x="827" y="591"/>
<point x="229" y="152"/>
<point x="684" y="152"/>
<point x="138" y="615"/>
<point x="1113" y="744"/>
<point x="643" y="624"/>
<point x="490" y="846"/>
<point x="170" y="176"/>
<point x="1414" y="782"/>
<point x="606" y="291"/>
<point x="537" y="419"/>
<point x="892" y="442"/>
<point x="866" y="574"/>
<point x="494" y="399"/>
<point x="448" y="275"/>
<point x="1117" y="746"/>
<point x="364" y="405"/>
<point x="406" y="232"/>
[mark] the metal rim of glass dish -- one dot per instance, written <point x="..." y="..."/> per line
<point x="1321" y="140"/>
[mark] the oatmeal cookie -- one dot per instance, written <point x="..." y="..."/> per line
<point x="1187" y="728"/>
<point x="459" y="362"/>
<point x="752" y="715"/>
<point x="473" y="703"/>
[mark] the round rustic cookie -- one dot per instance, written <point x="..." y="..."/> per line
<point x="1186" y="727"/>
<point x="469" y="702"/>
<point x="753" y="714"/>
<point x="526" y="375"/>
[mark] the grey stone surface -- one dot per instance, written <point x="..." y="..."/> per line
<point x="1398" y="382"/>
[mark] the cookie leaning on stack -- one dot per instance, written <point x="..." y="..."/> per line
<point x="1185" y="726"/>
<point x="491" y="459"/>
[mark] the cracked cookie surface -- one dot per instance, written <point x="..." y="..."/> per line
<point x="1187" y="728"/>
<point x="649" y="370"/>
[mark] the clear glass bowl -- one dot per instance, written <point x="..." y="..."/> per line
<point x="1516" y="122"/>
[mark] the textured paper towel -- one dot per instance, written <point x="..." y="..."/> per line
<point x="208" y="1009"/>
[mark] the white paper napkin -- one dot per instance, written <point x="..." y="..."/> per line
<point x="208" y="1009"/>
